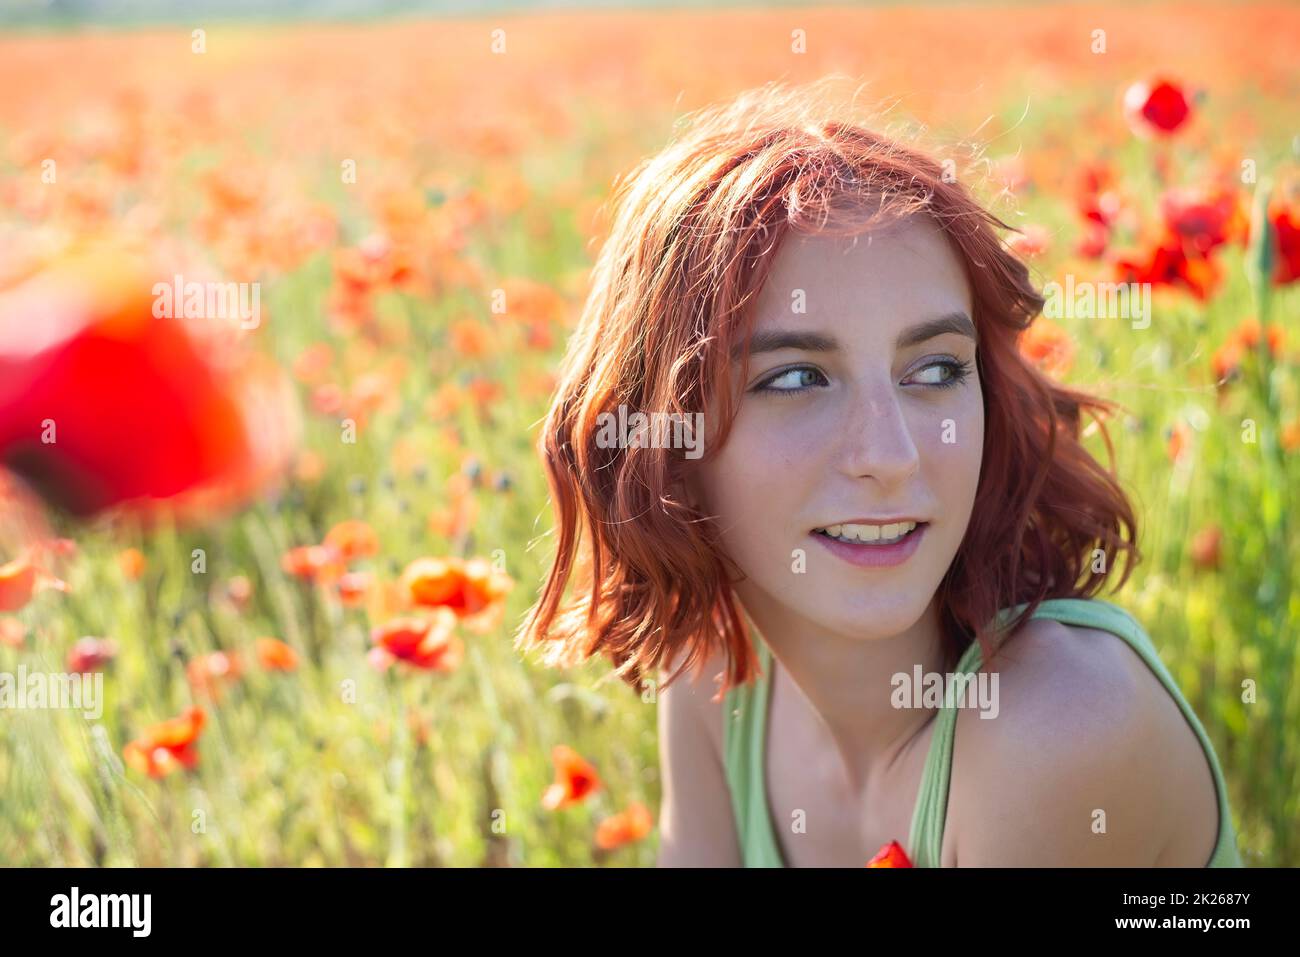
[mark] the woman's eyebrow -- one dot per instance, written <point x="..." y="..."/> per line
<point x="953" y="322"/>
<point x="777" y="339"/>
<point x="957" y="322"/>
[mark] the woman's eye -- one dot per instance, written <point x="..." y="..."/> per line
<point x="942" y="374"/>
<point x="793" y="381"/>
<point x="945" y="373"/>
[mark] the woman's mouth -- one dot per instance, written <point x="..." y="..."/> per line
<point x="872" y="546"/>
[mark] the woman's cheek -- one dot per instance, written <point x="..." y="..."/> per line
<point x="955" y="457"/>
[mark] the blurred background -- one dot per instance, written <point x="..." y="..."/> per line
<point x="295" y="526"/>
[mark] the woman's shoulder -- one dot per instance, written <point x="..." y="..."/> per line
<point x="695" y="692"/>
<point x="1088" y="762"/>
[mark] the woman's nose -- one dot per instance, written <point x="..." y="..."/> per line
<point x="878" y="441"/>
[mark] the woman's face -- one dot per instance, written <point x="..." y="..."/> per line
<point x="862" y="404"/>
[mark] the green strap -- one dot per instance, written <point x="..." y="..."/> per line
<point x="925" y="841"/>
<point x="744" y="746"/>
<point x="925" y="838"/>
<point x="745" y="734"/>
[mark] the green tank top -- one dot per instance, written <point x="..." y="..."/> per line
<point x="744" y="744"/>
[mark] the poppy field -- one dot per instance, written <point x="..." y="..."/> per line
<point x="281" y="310"/>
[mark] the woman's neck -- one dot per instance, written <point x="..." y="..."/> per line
<point x="849" y="681"/>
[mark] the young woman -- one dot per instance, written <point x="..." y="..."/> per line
<point x="884" y="494"/>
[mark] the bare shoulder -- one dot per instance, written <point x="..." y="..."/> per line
<point x="696" y="823"/>
<point x="693" y="693"/>
<point x="1089" y="761"/>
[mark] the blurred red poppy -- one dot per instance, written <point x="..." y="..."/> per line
<point x="312" y="365"/>
<point x="1286" y="238"/>
<point x="314" y="563"/>
<point x="1205" y="547"/>
<point x="1227" y="359"/>
<point x="17" y="583"/>
<point x="12" y="632"/>
<point x="1290" y="443"/>
<point x="625" y="827"/>
<point x="891" y="855"/>
<point x="1204" y="217"/>
<point x="209" y="674"/>
<point x="102" y="404"/>
<point x="352" y="539"/>
<point x="466" y="587"/>
<point x="131" y="562"/>
<point x="164" y="747"/>
<point x="25" y="575"/>
<point x="91" y="654"/>
<point x="1049" y="347"/>
<point x="575" y="779"/>
<point x="353" y="588"/>
<point x="1166" y="263"/>
<point x="239" y="590"/>
<point x="1178" y="441"/>
<point x="1156" y="107"/>
<point x="274" y="655"/>
<point x="427" y="643"/>
<point x="1032" y="241"/>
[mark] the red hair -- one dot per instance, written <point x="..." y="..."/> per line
<point x="693" y="237"/>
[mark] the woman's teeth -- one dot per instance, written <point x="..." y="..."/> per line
<point x="868" y="534"/>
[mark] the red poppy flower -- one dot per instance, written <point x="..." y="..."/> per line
<point x="1205" y="217"/>
<point x="375" y="263"/>
<point x="891" y="855"/>
<point x="164" y="747"/>
<point x="22" y="577"/>
<point x="427" y="643"/>
<point x="1286" y="238"/>
<point x="1166" y="263"/>
<point x="1205" y="547"/>
<point x="312" y="366"/>
<point x="1049" y="347"/>
<point x="625" y="827"/>
<point x="209" y="674"/>
<point x="466" y="587"/>
<point x="1096" y="196"/>
<point x="1227" y="359"/>
<point x="1032" y="241"/>
<point x="1093" y="242"/>
<point x="353" y="589"/>
<point x="17" y="583"/>
<point x="1156" y="107"/>
<point x="12" y="632"/>
<point x="1178" y="441"/>
<point x="239" y="590"/>
<point x="131" y="562"/>
<point x="575" y="779"/>
<point x="352" y="539"/>
<point x="91" y="654"/>
<point x="101" y="403"/>
<point x="312" y="563"/>
<point x="274" y="655"/>
<point x="1290" y="443"/>
<point x="327" y="399"/>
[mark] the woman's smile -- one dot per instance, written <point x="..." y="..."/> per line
<point x="885" y="551"/>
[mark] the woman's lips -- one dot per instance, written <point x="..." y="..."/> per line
<point x="874" y="556"/>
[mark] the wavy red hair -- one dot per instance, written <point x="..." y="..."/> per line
<point x="694" y="232"/>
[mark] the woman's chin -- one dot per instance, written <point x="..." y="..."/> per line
<point x="866" y="621"/>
